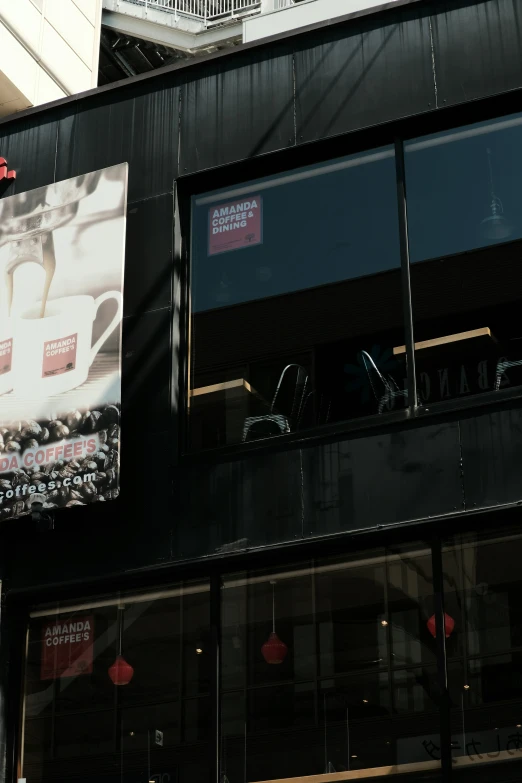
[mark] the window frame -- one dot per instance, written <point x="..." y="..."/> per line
<point x="314" y="153"/>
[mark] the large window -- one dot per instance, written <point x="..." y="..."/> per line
<point x="296" y="301"/>
<point x="296" y="307"/>
<point x="464" y="196"/>
<point x="483" y="583"/>
<point x="118" y="690"/>
<point x="329" y="668"/>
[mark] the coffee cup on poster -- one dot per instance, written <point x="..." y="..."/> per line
<point x="54" y="353"/>
<point x="6" y="355"/>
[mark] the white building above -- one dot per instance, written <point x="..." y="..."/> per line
<point x="195" y="26"/>
<point x="48" y="49"/>
<point x="283" y="16"/>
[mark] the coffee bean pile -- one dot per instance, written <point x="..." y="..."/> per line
<point x="102" y="465"/>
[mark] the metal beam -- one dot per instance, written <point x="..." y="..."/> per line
<point x="117" y="58"/>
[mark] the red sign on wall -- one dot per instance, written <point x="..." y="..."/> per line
<point x="67" y="647"/>
<point x="6" y="355"/>
<point x="235" y="224"/>
<point x="59" y="356"/>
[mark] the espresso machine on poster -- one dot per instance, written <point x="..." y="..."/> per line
<point x="62" y="250"/>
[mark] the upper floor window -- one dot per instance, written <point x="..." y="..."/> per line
<point x="296" y="301"/>
<point x="464" y="198"/>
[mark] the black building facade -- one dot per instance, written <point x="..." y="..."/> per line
<point x="312" y="568"/>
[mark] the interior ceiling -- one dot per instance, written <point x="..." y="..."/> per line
<point x="122" y="56"/>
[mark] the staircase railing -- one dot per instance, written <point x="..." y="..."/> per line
<point x="205" y="10"/>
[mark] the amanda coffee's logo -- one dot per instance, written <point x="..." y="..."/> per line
<point x="235" y="224"/>
<point x="6" y="356"/>
<point x="59" y="356"/>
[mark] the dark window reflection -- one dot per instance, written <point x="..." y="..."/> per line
<point x="151" y="724"/>
<point x="350" y="610"/>
<point x="482" y="586"/>
<point x="294" y="707"/>
<point x="465" y="232"/>
<point x="197" y="720"/>
<point x="152" y="625"/>
<point x="84" y="735"/>
<point x="138" y="725"/>
<point x="297" y="308"/>
<point x="336" y="697"/>
<point x="416" y="690"/>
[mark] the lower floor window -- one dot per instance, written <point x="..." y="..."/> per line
<point x="327" y="667"/>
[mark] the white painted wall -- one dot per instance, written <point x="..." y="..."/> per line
<point x="271" y="22"/>
<point x="48" y="49"/>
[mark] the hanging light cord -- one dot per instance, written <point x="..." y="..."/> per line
<point x="273" y="607"/>
<point x="120" y="628"/>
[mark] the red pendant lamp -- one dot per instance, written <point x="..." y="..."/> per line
<point x="121" y="672"/>
<point x="274" y="650"/>
<point x="449" y="625"/>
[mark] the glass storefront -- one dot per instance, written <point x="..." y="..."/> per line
<point x="482" y="582"/>
<point x="103" y="678"/>
<point x="327" y="668"/>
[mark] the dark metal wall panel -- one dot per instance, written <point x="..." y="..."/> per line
<point x="363" y="73"/>
<point x="477" y="49"/>
<point x="122" y="534"/>
<point x="491" y="448"/>
<point x="237" y="108"/>
<point x="138" y="125"/>
<point x="29" y="146"/>
<point x="146" y="373"/>
<point x="148" y="255"/>
<point x="134" y="530"/>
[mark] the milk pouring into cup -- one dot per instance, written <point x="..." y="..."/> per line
<point x="46" y="349"/>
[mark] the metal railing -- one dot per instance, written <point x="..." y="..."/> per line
<point x="279" y="4"/>
<point x="205" y="10"/>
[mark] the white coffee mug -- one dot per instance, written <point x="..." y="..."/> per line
<point x="53" y="354"/>
<point x="6" y="355"/>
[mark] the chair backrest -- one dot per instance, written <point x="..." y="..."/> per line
<point x="379" y="383"/>
<point x="294" y="380"/>
<point x="315" y="410"/>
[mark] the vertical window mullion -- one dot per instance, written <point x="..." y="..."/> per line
<point x="215" y="677"/>
<point x="442" y="667"/>
<point x="405" y="274"/>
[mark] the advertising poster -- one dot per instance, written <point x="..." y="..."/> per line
<point x="62" y="251"/>
<point x="235" y="224"/>
<point x="67" y="647"/>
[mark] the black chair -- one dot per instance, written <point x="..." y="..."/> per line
<point x="384" y="387"/>
<point x="284" y="414"/>
<point x="315" y="411"/>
